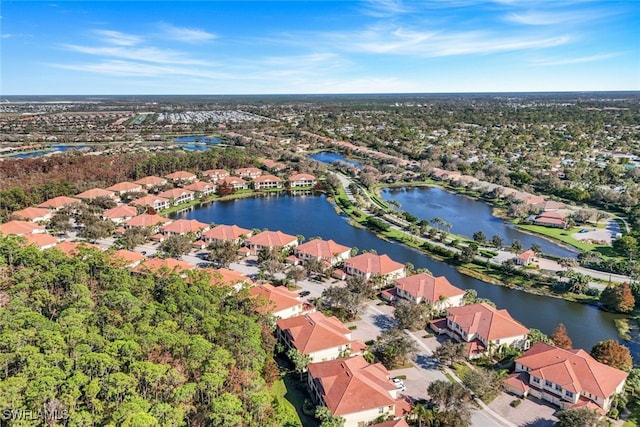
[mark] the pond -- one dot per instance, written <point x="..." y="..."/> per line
<point x="466" y="216"/>
<point x="330" y="157"/>
<point x="314" y="216"/>
<point x="203" y="139"/>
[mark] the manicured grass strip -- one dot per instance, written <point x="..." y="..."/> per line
<point x="284" y="406"/>
<point x="296" y="394"/>
<point x="634" y="417"/>
<point x="559" y="234"/>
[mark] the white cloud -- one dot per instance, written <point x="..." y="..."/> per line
<point x="147" y="54"/>
<point x="118" y="38"/>
<point x="190" y="35"/>
<point x="385" y="8"/>
<point x="569" y="61"/>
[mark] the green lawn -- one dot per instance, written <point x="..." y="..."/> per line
<point x="634" y="417"/>
<point x="559" y="234"/>
<point x="296" y="393"/>
<point x="284" y="406"/>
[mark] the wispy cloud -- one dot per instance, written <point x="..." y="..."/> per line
<point x="146" y="54"/>
<point x="118" y="38"/>
<point x="556" y="17"/>
<point x="385" y="8"/>
<point x="568" y="61"/>
<point x="189" y="35"/>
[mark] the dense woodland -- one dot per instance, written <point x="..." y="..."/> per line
<point x="84" y="337"/>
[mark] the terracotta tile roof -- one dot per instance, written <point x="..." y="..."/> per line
<point x="20" y="228"/>
<point x="374" y="264"/>
<point x="128" y="257"/>
<point x="267" y="178"/>
<point x="280" y="298"/>
<point x="526" y="255"/>
<point x="183" y="226"/>
<point x="122" y="211"/>
<point x="174" y="193"/>
<point x="248" y="171"/>
<point x="272" y="239"/>
<point x="216" y="173"/>
<point x="41" y="240"/>
<point x="547" y="220"/>
<point x="181" y="175"/>
<point x="519" y="381"/>
<point x="149" y="200"/>
<point x="314" y="332"/>
<point x="574" y="370"/>
<point x="156" y="265"/>
<point x="226" y="232"/>
<point x="71" y="249"/>
<point x="146" y="220"/>
<point x="58" y="202"/>
<point x="201" y="186"/>
<point x="31" y="213"/>
<point x="301" y="177"/>
<point x="94" y="193"/>
<point x="428" y="287"/>
<point x="151" y="180"/>
<point x="352" y="385"/>
<point x="123" y="187"/>
<point x="486" y="321"/>
<point x="318" y="248"/>
<point x="226" y="277"/>
<point x="231" y="180"/>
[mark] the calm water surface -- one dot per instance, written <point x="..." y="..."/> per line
<point x="315" y="216"/>
<point x="330" y="157"/>
<point x="466" y="216"/>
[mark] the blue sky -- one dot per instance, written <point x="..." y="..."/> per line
<point x="291" y="47"/>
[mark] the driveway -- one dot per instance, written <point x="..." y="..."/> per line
<point x="531" y="412"/>
<point x="601" y="235"/>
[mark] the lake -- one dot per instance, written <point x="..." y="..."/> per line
<point x="330" y="157"/>
<point x="315" y="216"/>
<point x="196" y="138"/>
<point x="466" y="216"/>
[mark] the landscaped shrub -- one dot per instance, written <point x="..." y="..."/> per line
<point x="515" y="403"/>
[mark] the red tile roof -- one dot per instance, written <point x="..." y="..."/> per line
<point x="41" y="240"/>
<point x="123" y="187"/>
<point x="280" y="298"/>
<point x="226" y="232"/>
<point x="181" y="175"/>
<point x="526" y="255"/>
<point x="201" y="186"/>
<point x="146" y="220"/>
<point x="183" y="226"/>
<point x="128" y="257"/>
<point x="149" y="200"/>
<point x="174" y="193"/>
<point x="151" y="181"/>
<point x="486" y="321"/>
<point x="20" y="228"/>
<point x="155" y="265"/>
<point x="301" y="177"/>
<point x="314" y="332"/>
<point x="226" y="277"/>
<point x="58" y="202"/>
<point x="318" y="248"/>
<point x="574" y="370"/>
<point x="428" y="287"/>
<point x="267" y="178"/>
<point x="272" y="239"/>
<point x="95" y="193"/>
<point x="352" y="385"/>
<point x="71" y="249"/>
<point x="31" y="213"/>
<point x="122" y="211"/>
<point x="374" y="264"/>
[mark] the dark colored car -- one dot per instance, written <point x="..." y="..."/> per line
<point x="304" y="293"/>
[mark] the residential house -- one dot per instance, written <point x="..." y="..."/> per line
<point x="72" y="249"/>
<point x="271" y="240"/>
<point x="155" y="202"/>
<point x="147" y="220"/>
<point x="353" y="389"/>
<point x="567" y="378"/>
<point x="236" y="182"/>
<point x="127" y="258"/>
<point x="94" y="193"/>
<point x="551" y="219"/>
<point x="21" y="228"/>
<point x="322" y="250"/>
<point x="278" y="301"/>
<point x="302" y="180"/>
<point x="159" y="266"/>
<point x="181" y="227"/>
<point x="370" y="265"/>
<point x="33" y="214"/>
<point x="224" y="232"/>
<point x="251" y="173"/>
<point x="202" y="187"/>
<point x="58" y="203"/>
<point x="126" y="187"/>
<point x="182" y="177"/>
<point x="526" y="257"/>
<point x="267" y="181"/>
<point x="318" y="336"/>
<point x="120" y="214"/>
<point x="215" y="174"/>
<point x="272" y="165"/>
<point x="482" y="328"/>
<point x="151" y="182"/>
<point x="41" y="240"/>
<point x="226" y="277"/>
<point x="178" y="195"/>
<point x="436" y="291"/>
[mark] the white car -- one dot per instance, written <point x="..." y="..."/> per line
<point x="399" y="384"/>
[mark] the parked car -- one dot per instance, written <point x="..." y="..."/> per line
<point x="304" y="293"/>
<point x="399" y="384"/>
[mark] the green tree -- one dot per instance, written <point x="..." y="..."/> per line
<point x="581" y="417"/>
<point x="479" y="237"/>
<point x="223" y="252"/>
<point x="394" y="347"/>
<point x="299" y="360"/>
<point x="411" y="316"/>
<point x="176" y="246"/>
<point x="327" y="419"/>
<point x="536" y="335"/>
<point x="449" y="352"/>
